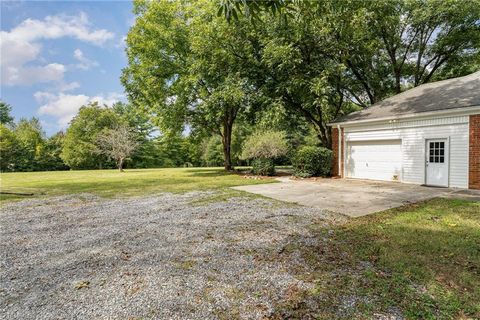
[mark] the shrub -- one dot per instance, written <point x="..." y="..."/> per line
<point x="312" y="161"/>
<point x="263" y="167"/>
<point x="265" y="145"/>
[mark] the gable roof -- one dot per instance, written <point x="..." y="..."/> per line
<point x="435" y="96"/>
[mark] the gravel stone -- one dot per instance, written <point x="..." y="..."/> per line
<point x="156" y="257"/>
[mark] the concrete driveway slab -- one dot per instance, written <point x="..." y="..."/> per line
<point x="351" y="197"/>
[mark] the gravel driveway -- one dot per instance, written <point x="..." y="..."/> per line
<point x="83" y="257"/>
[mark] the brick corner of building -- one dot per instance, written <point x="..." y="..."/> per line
<point x="474" y="152"/>
<point x="336" y="156"/>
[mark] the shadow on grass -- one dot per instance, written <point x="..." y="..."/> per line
<point x="13" y="197"/>
<point x="208" y="173"/>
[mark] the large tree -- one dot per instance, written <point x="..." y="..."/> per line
<point x="31" y="138"/>
<point x="25" y="147"/>
<point x="188" y="67"/>
<point x="79" y="146"/>
<point x="300" y="71"/>
<point x="9" y="149"/>
<point x="324" y="56"/>
<point x="391" y="45"/>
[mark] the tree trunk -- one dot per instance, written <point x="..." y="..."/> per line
<point x="398" y="88"/>
<point x="227" y="143"/>
<point x="324" y="136"/>
<point x="120" y="165"/>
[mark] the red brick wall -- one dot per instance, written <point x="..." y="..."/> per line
<point x="474" y="153"/>
<point x="335" y="152"/>
<point x="336" y="156"/>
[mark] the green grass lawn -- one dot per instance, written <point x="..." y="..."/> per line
<point x="112" y="183"/>
<point x="423" y="260"/>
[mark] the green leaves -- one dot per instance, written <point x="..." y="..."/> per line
<point x="9" y="150"/>
<point x="188" y="67"/>
<point x="252" y="9"/>
<point x="5" y="117"/>
<point x="79" y="148"/>
<point x="265" y="145"/>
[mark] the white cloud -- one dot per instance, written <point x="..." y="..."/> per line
<point x="84" y="62"/>
<point x="62" y="87"/>
<point x="31" y="75"/>
<point x="55" y="27"/>
<point x="65" y="106"/>
<point x="20" y="47"/>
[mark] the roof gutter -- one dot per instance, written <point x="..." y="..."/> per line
<point x="454" y="111"/>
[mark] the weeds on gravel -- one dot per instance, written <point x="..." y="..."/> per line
<point x="82" y="284"/>
<point x="188" y="264"/>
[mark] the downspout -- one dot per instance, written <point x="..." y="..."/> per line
<point x="340" y="173"/>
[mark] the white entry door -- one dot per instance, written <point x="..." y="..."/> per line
<point x="437" y="163"/>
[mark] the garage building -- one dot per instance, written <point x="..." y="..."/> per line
<point x="426" y="135"/>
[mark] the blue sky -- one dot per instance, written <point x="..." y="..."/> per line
<point x="56" y="56"/>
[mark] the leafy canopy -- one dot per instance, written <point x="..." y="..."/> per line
<point x="324" y="59"/>
<point x="9" y="150"/>
<point x="5" y="110"/>
<point x="188" y="67"/>
<point x="79" y="147"/>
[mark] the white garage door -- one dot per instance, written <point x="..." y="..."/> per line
<point x="377" y="160"/>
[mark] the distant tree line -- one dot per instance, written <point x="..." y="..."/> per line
<point x="24" y="146"/>
<point x="98" y="136"/>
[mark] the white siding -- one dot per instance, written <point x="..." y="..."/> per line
<point x="413" y="135"/>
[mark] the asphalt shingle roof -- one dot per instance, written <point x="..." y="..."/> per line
<point x="441" y="95"/>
